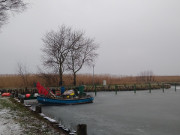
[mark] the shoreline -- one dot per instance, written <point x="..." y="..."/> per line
<point x="17" y="119"/>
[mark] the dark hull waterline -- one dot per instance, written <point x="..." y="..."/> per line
<point x="50" y="101"/>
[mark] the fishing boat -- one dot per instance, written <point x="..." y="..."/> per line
<point x="51" y="101"/>
<point x="68" y="97"/>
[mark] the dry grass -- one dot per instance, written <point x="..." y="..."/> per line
<point x="168" y="78"/>
<point x="15" y="81"/>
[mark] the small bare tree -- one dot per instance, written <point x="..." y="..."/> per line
<point x="23" y="73"/>
<point x="50" y="78"/>
<point x="57" y="46"/>
<point x="82" y="53"/>
<point x="10" y="5"/>
<point x="146" y="76"/>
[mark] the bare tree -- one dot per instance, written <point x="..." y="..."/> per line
<point x="51" y="78"/>
<point x="10" y="5"/>
<point x="57" y="46"/>
<point x="82" y="53"/>
<point x="146" y="76"/>
<point x="23" y="73"/>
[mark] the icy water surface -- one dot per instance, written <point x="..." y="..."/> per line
<point x="126" y="113"/>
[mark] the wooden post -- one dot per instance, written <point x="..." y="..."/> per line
<point x="16" y="94"/>
<point x="82" y="129"/>
<point x="134" y="88"/>
<point x="116" y="90"/>
<point x="163" y="86"/>
<point x="38" y="109"/>
<point x="22" y="100"/>
<point x="13" y="94"/>
<point x="95" y="91"/>
<point x="149" y="88"/>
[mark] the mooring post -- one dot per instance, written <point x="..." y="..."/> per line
<point x="16" y="94"/>
<point x="175" y="86"/>
<point x="82" y="129"/>
<point x="116" y="90"/>
<point x="13" y="94"/>
<point x="134" y="88"/>
<point x="22" y="100"/>
<point x="163" y="87"/>
<point x="149" y="88"/>
<point x="38" y="109"/>
<point x="95" y="90"/>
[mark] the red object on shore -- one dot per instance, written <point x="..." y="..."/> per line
<point x="28" y="95"/>
<point x="6" y="94"/>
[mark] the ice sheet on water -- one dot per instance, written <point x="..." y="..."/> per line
<point x="42" y="114"/>
<point x="50" y="119"/>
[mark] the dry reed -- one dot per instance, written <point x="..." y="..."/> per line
<point x="15" y="81"/>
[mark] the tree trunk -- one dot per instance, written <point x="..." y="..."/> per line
<point x="60" y="76"/>
<point x="74" y="74"/>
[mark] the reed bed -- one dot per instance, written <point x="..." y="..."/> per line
<point x="51" y="80"/>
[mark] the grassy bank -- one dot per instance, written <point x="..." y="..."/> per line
<point x="30" y="124"/>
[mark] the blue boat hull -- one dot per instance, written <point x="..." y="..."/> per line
<point x="49" y="101"/>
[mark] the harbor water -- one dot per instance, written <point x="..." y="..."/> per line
<point x="127" y="113"/>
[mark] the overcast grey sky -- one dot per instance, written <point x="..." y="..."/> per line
<point x="134" y="35"/>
